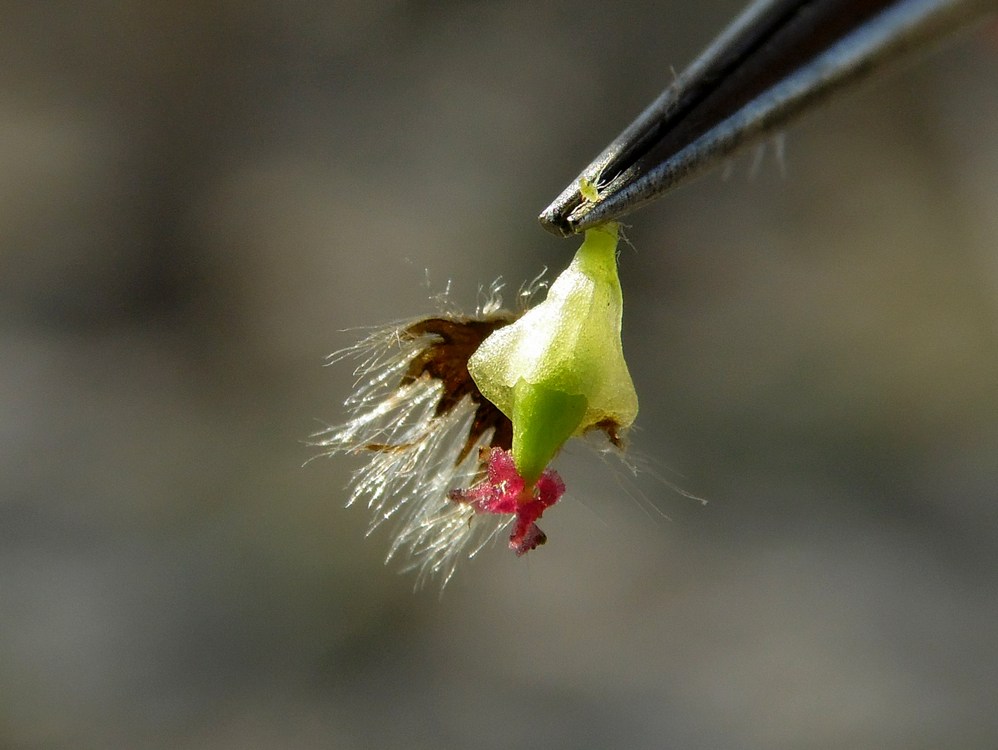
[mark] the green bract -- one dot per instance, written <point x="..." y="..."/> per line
<point x="559" y="370"/>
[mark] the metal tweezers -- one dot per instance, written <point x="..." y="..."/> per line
<point x="775" y="60"/>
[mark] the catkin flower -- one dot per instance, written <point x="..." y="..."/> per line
<point x="460" y="417"/>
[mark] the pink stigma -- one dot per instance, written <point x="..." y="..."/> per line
<point x="504" y="491"/>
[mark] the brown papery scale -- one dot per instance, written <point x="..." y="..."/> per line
<point x="446" y="360"/>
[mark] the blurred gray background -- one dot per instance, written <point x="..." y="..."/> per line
<point x="197" y="198"/>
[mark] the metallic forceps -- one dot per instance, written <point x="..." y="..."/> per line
<point x="776" y="60"/>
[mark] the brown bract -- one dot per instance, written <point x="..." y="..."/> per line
<point x="446" y="360"/>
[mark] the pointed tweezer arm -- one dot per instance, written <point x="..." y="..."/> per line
<point x="776" y="60"/>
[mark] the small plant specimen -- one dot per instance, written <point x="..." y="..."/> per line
<point x="460" y="417"/>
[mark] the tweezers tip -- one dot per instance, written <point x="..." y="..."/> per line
<point x="554" y="223"/>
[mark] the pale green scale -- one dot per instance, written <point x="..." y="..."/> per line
<point x="559" y="370"/>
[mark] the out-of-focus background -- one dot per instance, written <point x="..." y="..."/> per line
<point x="198" y="198"/>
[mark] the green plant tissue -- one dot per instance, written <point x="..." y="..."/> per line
<point x="559" y="370"/>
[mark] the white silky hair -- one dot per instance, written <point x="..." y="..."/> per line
<point x="413" y="452"/>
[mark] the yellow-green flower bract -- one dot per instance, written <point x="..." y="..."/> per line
<point x="559" y="370"/>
